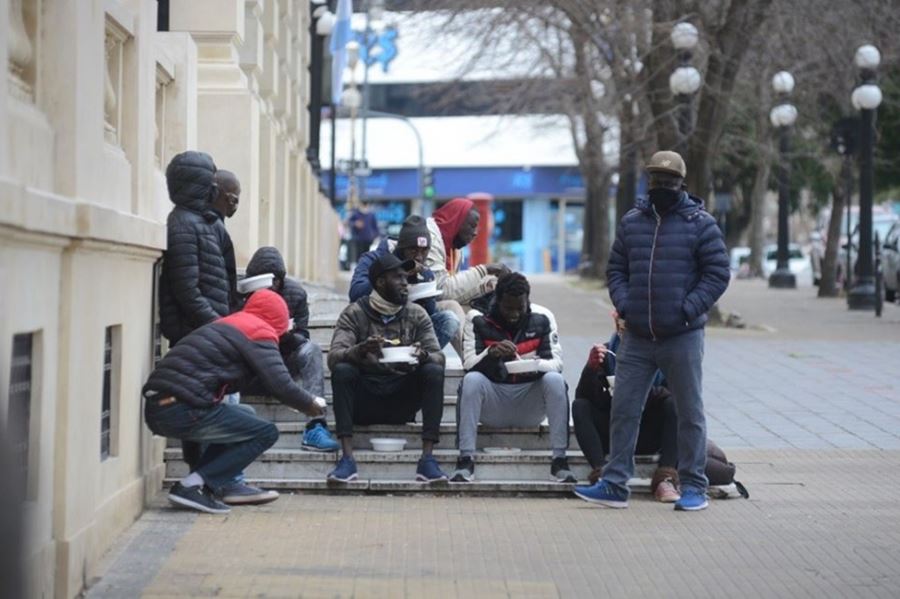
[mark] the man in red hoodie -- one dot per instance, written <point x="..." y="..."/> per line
<point x="184" y="396"/>
<point x="453" y="226"/>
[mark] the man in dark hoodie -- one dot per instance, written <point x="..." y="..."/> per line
<point x="368" y="391"/>
<point x="667" y="268"/>
<point x="184" y="393"/>
<point x="413" y="243"/>
<point x="302" y="356"/>
<point x="196" y="285"/>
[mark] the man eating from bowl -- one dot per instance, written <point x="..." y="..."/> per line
<point x="370" y="390"/>
<point x="514" y="364"/>
<point x="413" y="243"/>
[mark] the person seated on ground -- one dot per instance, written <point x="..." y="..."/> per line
<point x="658" y="433"/>
<point x="453" y="226"/>
<point x="367" y="391"/>
<point x="302" y="356"/>
<point x="513" y="328"/>
<point x="183" y="397"/>
<point x="413" y="243"/>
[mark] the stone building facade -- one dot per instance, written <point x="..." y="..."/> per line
<point x="95" y="103"/>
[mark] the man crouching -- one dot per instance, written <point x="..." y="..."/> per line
<point x="183" y="396"/>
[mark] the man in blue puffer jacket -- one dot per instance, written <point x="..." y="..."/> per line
<point x="412" y="243"/>
<point x="667" y="268"/>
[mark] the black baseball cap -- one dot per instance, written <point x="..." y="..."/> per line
<point x="386" y="263"/>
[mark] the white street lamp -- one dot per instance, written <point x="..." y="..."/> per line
<point x="867" y="57"/>
<point x="684" y="36"/>
<point x="325" y="22"/>
<point x="783" y="82"/>
<point x="351" y="98"/>
<point x="783" y="115"/>
<point x="352" y="54"/>
<point x="866" y="97"/>
<point x="684" y="81"/>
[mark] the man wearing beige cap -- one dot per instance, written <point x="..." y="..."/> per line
<point x="667" y="268"/>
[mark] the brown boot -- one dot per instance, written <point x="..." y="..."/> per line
<point x="664" y="485"/>
<point x="594" y="476"/>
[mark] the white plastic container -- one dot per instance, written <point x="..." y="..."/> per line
<point x="521" y="366"/>
<point x="402" y="353"/>
<point x="423" y="290"/>
<point x="388" y="445"/>
<point x="251" y="284"/>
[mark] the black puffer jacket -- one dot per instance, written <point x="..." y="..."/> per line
<point x="195" y="287"/>
<point x="266" y="260"/>
<point x="227" y="355"/>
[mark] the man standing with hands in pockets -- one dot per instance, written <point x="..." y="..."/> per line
<point x="667" y="268"/>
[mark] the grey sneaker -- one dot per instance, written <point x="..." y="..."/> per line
<point x="559" y="471"/>
<point x="196" y="498"/>
<point x="239" y="493"/>
<point x="465" y="470"/>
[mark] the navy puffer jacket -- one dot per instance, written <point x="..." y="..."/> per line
<point x="666" y="272"/>
<point x="195" y="286"/>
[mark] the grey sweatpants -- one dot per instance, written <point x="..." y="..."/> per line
<point x="514" y="405"/>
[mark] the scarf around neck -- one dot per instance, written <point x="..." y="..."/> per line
<point x="382" y="306"/>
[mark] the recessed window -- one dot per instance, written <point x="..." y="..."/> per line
<point x="20" y="401"/>
<point x="109" y="410"/>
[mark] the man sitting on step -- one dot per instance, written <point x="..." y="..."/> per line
<point x="183" y="397"/>
<point x="513" y="329"/>
<point x="369" y="391"/>
<point x="302" y="356"/>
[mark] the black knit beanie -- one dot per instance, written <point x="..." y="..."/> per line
<point x="414" y="233"/>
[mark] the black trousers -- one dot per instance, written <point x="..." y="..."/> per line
<point x="361" y="398"/>
<point x="658" y="431"/>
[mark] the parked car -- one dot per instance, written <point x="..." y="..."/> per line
<point x="882" y="222"/>
<point x="890" y="262"/>
<point x="819" y="237"/>
<point x="798" y="263"/>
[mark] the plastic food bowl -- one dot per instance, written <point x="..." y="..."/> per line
<point x="385" y="444"/>
<point x="423" y="290"/>
<point x="521" y="366"/>
<point x="403" y="353"/>
<point x="251" y="284"/>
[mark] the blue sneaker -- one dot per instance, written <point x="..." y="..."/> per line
<point x="318" y="438"/>
<point x="344" y="472"/>
<point x="692" y="500"/>
<point x="604" y="494"/>
<point x="428" y="470"/>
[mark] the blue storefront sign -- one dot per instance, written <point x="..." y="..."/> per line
<point x="501" y="182"/>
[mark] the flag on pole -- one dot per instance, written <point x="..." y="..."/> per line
<point x="340" y="35"/>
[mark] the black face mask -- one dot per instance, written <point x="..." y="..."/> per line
<point x="663" y="199"/>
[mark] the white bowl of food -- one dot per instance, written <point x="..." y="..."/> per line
<point x="423" y="290"/>
<point x="400" y="353"/>
<point x="251" y="284"/>
<point x="522" y="366"/>
<point x="387" y="444"/>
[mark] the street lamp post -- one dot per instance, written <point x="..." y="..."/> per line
<point x="783" y="116"/>
<point x="352" y="99"/>
<point x="866" y="99"/>
<point x="684" y="80"/>
<point x="374" y="24"/>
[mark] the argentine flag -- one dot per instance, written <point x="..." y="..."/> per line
<point x="340" y="35"/>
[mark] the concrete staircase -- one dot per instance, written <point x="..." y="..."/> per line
<point x="287" y="467"/>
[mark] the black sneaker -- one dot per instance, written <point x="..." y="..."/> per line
<point x="559" y="471"/>
<point x="197" y="498"/>
<point x="465" y="470"/>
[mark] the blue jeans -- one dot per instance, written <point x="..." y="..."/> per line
<point x="680" y="359"/>
<point x="446" y="325"/>
<point x="307" y="366"/>
<point x="233" y="436"/>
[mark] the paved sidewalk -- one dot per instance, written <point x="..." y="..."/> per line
<point x="817" y="525"/>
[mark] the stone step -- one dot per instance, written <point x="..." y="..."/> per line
<point x="534" y="438"/>
<point x="298" y="464"/>
<point x="406" y="486"/>
<point x="275" y="411"/>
